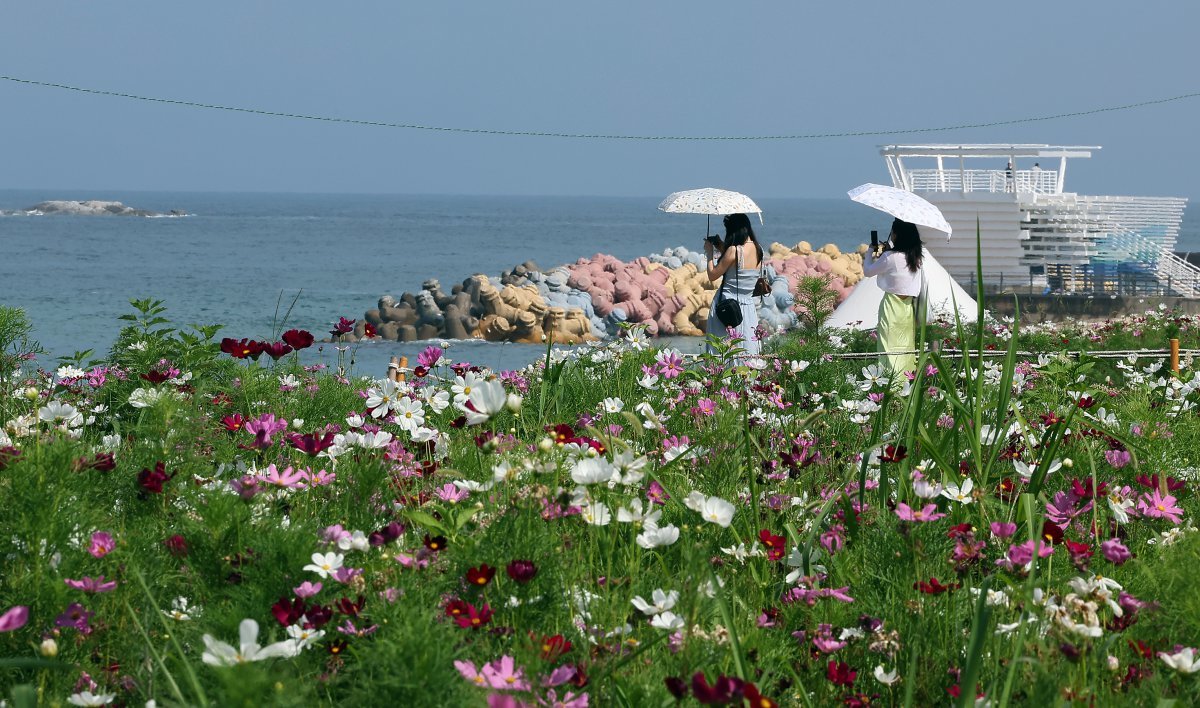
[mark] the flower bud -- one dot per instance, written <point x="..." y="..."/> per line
<point x="1114" y="664"/>
<point x="1068" y="462"/>
<point x="48" y="648"/>
<point x="513" y="402"/>
<point x="30" y="393"/>
<point x="545" y="445"/>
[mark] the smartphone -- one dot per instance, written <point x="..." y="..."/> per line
<point x="874" y="239"/>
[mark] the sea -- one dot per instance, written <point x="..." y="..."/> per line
<point x="261" y="263"/>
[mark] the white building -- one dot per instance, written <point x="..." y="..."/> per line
<point x="1034" y="233"/>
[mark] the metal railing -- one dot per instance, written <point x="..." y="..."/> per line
<point x="952" y="180"/>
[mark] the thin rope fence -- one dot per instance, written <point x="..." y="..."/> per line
<point x="590" y="136"/>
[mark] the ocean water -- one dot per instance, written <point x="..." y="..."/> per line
<point x="241" y="259"/>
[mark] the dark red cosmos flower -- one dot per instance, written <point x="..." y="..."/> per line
<point x="176" y="545"/>
<point x="101" y="462"/>
<point x="481" y="576"/>
<point x="555" y="646"/>
<point x="387" y="534"/>
<point x="1081" y="553"/>
<point x="298" y="339"/>
<point x="893" y="453"/>
<point x="723" y="691"/>
<point x="677" y="686"/>
<point x="776" y="545"/>
<point x="153" y="480"/>
<point x="1006" y="490"/>
<point x="276" y="349"/>
<point x="1052" y="533"/>
<point x="562" y="433"/>
<point x="1086" y="402"/>
<point x="288" y="611"/>
<point x="156" y="377"/>
<point x="960" y="531"/>
<point x="241" y="348"/>
<point x="311" y="443"/>
<point x="336" y="648"/>
<point x="933" y="587"/>
<point x="455" y="609"/>
<point x="1151" y="482"/>
<point x="350" y="609"/>
<point x="521" y="571"/>
<point x="369" y="330"/>
<point x="1083" y="488"/>
<point x="459" y="422"/>
<point x="435" y="543"/>
<point x="344" y="326"/>
<point x="861" y="700"/>
<point x="840" y="673"/>
<point x="420" y="372"/>
<point x="756" y="699"/>
<point x="233" y="423"/>
<point x="8" y="455"/>
<point x="474" y="618"/>
<point x="318" y="616"/>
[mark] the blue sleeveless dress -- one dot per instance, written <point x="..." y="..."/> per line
<point x="740" y="288"/>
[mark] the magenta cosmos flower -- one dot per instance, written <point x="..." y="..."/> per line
<point x="102" y="544"/>
<point x="1157" y="506"/>
<point x="907" y="513"/>
<point x="90" y="584"/>
<point x="14" y="619"/>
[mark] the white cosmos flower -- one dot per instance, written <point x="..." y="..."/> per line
<point x="663" y="601"/>
<point x="634" y="514"/>
<point x="717" y="511"/>
<point x="356" y="541"/>
<point x="1184" y="661"/>
<point x="596" y="514"/>
<point x="924" y="489"/>
<point x="145" y="397"/>
<point x="304" y="638"/>
<point x="694" y="501"/>
<point x="181" y="610"/>
<point x="354" y="420"/>
<point x="221" y="654"/>
<point x="410" y="414"/>
<point x="87" y="698"/>
<point x="325" y="564"/>
<point x="487" y="398"/>
<point x="653" y="421"/>
<point x="290" y="381"/>
<point x="741" y="553"/>
<point x="381" y="399"/>
<point x="798" y="366"/>
<point x="654" y="536"/>
<point x="667" y="620"/>
<point x="887" y="678"/>
<point x="473" y="486"/>
<point x="592" y="470"/>
<point x="375" y="441"/>
<point x="59" y="412"/>
<point x="629" y="469"/>
<point x="463" y="386"/>
<point x="960" y="493"/>
<point x="613" y="405"/>
<point x="436" y="398"/>
<point x="648" y="382"/>
<point x="872" y="376"/>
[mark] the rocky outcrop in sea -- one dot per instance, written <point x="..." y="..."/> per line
<point x="669" y="293"/>
<point x="89" y="207"/>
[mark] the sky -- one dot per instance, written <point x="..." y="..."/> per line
<point x="646" y="68"/>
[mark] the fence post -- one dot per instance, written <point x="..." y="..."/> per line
<point x="396" y="368"/>
<point x="1175" y="356"/>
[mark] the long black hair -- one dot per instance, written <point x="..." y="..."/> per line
<point x="738" y="231"/>
<point x="907" y="240"/>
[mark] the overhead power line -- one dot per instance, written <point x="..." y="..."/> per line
<point x="597" y="136"/>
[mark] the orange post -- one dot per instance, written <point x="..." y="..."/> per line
<point x="403" y="366"/>
<point x="1175" y="356"/>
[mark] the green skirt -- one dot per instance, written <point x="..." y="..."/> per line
<point x="897" y="332"/>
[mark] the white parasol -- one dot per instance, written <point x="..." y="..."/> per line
<point x="903" y="205"/>
<point x="709" y="201"/>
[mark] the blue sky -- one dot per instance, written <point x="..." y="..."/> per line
<point x="675" y="68"/>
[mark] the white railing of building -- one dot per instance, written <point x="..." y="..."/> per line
<point x="1170" y="270"/>
<point x="952" y="180"/>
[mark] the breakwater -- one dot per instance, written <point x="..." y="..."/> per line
<point x="668" y="293"/>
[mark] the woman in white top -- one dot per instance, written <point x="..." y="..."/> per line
<point x="898" y="270"/>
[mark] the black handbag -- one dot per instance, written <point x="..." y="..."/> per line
<point x="762" y="286"/>
<point x="729" y="311"/>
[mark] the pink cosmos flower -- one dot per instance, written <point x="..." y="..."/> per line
<point x="262" y="428"/>
<point x="559" y="676"/>
<point x="1156" y="506"/>
<point x="102" y="544"/>
<point x="451" y="493"/>
<point x="306" y="589"/>
<point x="344" y="574"/>
<point x="14" y="619"/>
<point x="1115" y="551"/>
<point x="429" y="356"/>
<point x="89" y="584"/>
<point x="569" y="700"/>
<point x="670" y="365"/>
<point x="1118" y="458"/>
<point x="504" y="674"/>
<point x="468" y="671"/>
<point x="706" y="406"/>
<point x="321" y="478"/>
<point x="246" y="486"/>
<point x="1003" y="529"/>
<point x="929" y="513"/>
<point x="287" y="478"/>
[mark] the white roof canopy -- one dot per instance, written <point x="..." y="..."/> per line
<point x="988" y="150"/>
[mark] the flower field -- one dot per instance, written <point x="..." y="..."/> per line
<point x="205" y="521"/>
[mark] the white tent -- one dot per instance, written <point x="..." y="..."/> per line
<point x="861" y="309"/>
